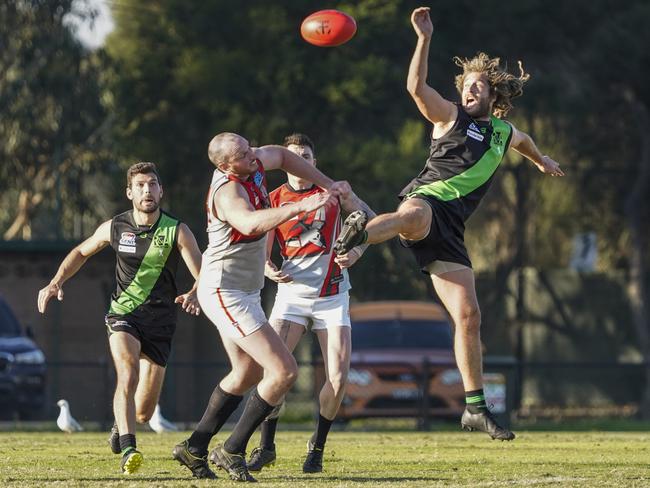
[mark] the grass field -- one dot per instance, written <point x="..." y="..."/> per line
<point x="363" y="459"/>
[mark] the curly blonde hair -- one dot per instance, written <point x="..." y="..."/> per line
<point x="506" y="85"/>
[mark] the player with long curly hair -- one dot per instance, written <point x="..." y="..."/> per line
<point x="468" y="142"/>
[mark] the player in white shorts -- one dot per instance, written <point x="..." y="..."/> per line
<point x="313" y="288"/>
<point x="232" y="275"/>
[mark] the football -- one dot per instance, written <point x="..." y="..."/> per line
<point x="328" y="28"/>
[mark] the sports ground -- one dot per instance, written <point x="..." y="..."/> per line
<point x="363" y="459"/>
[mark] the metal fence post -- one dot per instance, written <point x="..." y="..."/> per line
<point x="425" y="380"/>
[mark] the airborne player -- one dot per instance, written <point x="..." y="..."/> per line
<point x="468" y="143"/>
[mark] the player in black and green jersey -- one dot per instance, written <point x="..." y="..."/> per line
<point x="468" y="142"/>
<point x="142" y="316"/>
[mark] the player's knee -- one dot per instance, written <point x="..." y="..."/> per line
<point x="413" y="218"/>
<point x="143" y="417"/>
<point x="235" y="382"/>
<point x="288" y="374"/>
<point x="338" y="385"/>
<point x="127" y="380"/>
<point x="470" y="319"/>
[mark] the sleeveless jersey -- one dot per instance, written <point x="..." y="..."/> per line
<point x="145" y="272"/>
<point x="462" y="163"/>
<point x="306" y="245"/>
<point x="232" y="260"/>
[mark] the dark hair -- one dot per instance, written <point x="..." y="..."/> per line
<point x="298" y="139"/>
<point x="142" y="168"/>
<point x="505" y="85"/>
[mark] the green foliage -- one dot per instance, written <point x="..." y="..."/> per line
<point x="53" y="128"/>
<point x="185" y="72"/>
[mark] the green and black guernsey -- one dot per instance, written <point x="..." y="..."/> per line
<point x="147" y="259"/>
<point x="462" y="163"/>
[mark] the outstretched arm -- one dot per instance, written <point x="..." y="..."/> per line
<point x="232" y="204"/>
<point x="524" y="145"/>
<point x="430" y="103"/>
<point x="73" y="262"/>
<point x="279" y="157"/>
<point x="190" y="253"/>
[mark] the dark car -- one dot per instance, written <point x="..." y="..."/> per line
<point x="22" y="369"/>
<point x="401" y="349"/>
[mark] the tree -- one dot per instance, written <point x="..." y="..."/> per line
<point x="53" y="128"/>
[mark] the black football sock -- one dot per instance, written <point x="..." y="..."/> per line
<point x="219" y="409"/>
<point x="127" y="442"/>
<point x="475" y="401"/>
<point x="322" y="429"/>
<point x="254" y="414"/>
<point x="268" y="433"/>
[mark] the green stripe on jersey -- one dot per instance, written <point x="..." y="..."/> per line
<point x="149" y="271"/>
<point x="475" y="176"/>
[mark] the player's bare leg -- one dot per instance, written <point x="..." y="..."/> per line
<point x="456" y="290"/>
<point x="226" y="397"/>
<point x="125" y="350"/>
<point x="280" y="372"/>
<point x="265" y="454"/>
<point x="335" y="343"/>
<point x="150" y="384"/>
<point x="147" y="394"/>
<point x="411" y="220"/>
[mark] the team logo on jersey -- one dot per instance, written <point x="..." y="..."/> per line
<point x="127" y="243"/>
<point x="309" y="228"/>
<point x="127" y="239"/>
<point x="258" y="179"/>
<point x="161" y="240"/>
<point x="474" y="132"/>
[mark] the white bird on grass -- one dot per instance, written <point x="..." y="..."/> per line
<point x="65" y="422"/>
<point x="160" y="424"/>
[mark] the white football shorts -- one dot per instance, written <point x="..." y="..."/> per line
<point x="324" y="312"/>
<point x="236" y="313"/>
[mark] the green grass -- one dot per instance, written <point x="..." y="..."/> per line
<point x="362" y="459"/>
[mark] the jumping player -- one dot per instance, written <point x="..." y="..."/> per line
<point x="468" y="142"/>
<point x="313" y="287"/>
<point x="142" y="317"/>
<point x="232" y="275"/>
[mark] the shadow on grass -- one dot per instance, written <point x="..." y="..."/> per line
<point x="355" y="479"/>
<point x="116" y="479"/>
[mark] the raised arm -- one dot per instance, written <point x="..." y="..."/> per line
<point x="279" y="157"/>
<point x="430" y="103"/>
<point x="233" y="206"/>
<point x="73" y="262"/>
<point x="524" y="145"/>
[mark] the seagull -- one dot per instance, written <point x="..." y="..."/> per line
<point x="65" y="422"/>
<point x="160" y="424"/>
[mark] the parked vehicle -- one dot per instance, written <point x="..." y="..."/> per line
<point x="22" y="369"/>
<point x="401" y="349"/>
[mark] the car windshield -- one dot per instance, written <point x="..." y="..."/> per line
<point x="9" y="326"/>
<point x="401" y="334"/>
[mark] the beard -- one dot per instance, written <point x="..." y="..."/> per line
<point x="479" y="110"/>
<point x="147" y="207"/>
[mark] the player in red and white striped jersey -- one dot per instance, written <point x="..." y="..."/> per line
<point x="313" y="287"/>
